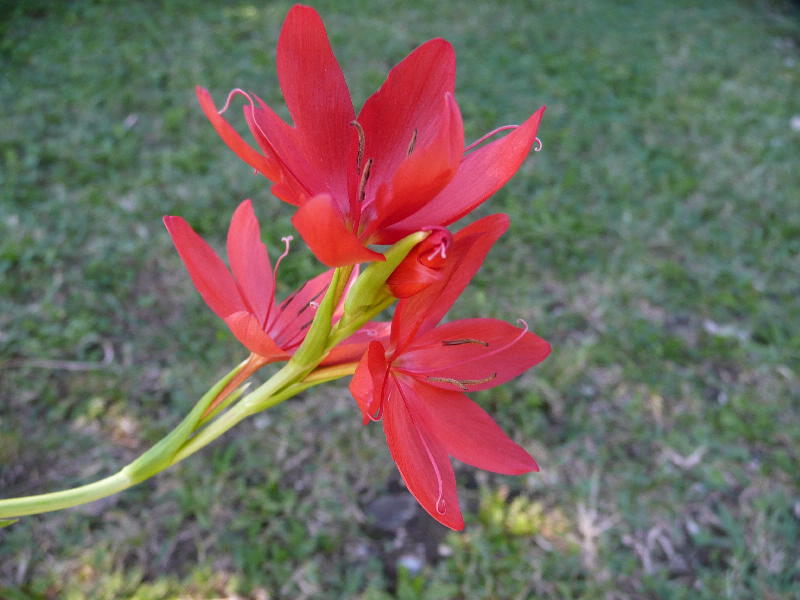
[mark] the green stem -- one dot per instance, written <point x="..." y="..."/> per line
<point x="149" y="463"/>
<point x="31" y="505"/>
<point x="190" y="435"/>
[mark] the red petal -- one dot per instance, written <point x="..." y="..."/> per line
<point x="424" y="173"/>
<point x="289" y="320"/>
<point x="421" y="312"/>
<point x="481" y="174"/>
<point x="472" y="354"/>
<point x="260" y="163"/>
<point x="469" y="434"/>
<point x="248" y="331"/>
<point x="317" y="96"/>
<point x="302" y="179"/>
<point x="409" y="101"/>
<point x="367" y="385"/>
<point x="249" y="261"/>
<point x="353" y="348"/>
<point x="420" y="458"/>
<point x="209" y="274"/>
<point x="323" y="228"/>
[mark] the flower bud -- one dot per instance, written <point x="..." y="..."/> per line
<point x="422" y="266"/>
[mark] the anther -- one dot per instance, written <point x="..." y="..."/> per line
<point x="464" y="341"/>
<point x="537" y="145"/>
<point x="312" y="302"/>
<point x="462" y="383"/>
<point x="362" y="186"/>
<point x="362" y="142"/>
<point x="412" y="143"/>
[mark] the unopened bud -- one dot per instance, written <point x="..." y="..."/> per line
<point x="422" y="266"/>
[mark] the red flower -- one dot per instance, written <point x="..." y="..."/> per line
<point x="415" y="382"/>
<point x="245" y="297"/>
<point x="398" y="167"/>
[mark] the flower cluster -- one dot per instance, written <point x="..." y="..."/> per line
<point x="397" y="173"/>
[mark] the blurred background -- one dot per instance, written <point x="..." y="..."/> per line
<point x="654" y="243"/>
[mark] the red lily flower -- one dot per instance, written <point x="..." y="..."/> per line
<point x="398" y="167"/>
<point x="416" y="382"/>
<point x="245" y="298"/>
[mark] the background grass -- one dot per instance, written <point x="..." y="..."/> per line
<point x="655" y="243"/>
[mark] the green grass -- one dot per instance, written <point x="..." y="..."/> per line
<point x="654" y="242"/>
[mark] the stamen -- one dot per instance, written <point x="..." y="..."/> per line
<point x="482" y="139"/>
<point x="462" y="383"/>
<point x="265" y="138"/>
<point x="231" y="94"/>
<point x="362" y="186"/>
<point x="286" y="241"/>
<point x="275" y="335"/>
<point x="298" y="336"/>
<point x="412" y="144"/>
<point x="464" y="341"/>
<point x="290" y="297"/>
<point x="482" y="356"/>
<point x="537" y="145"/>
<point x="362" y="142"/>
<point x="440" y="249"/>
<point x="378" y="415"/>
<point x="441" y="505"/>
<point x="312" y="302"/>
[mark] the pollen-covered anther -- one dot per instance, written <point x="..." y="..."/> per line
<point x="462" y="383"/>
<point x="362" y="185"/>
<point x="362" y="142"/>
<point x="459" y="342"/>
<point x="412" y="143"/>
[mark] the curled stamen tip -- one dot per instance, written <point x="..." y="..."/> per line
<point x="441" y="506"/>
<point x="523" y="323"/>
<point x="377" y="415"/>
<point x="537" y="145"/>
<point x="231" y="94"/>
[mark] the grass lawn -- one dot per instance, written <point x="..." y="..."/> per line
<point x="655" y="241"/>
